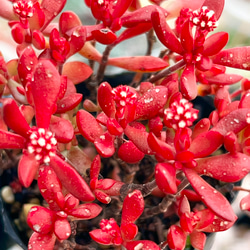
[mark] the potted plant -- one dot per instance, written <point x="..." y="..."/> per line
<point x="128" y="166"/>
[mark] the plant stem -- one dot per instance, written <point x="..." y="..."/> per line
<point x="167" y="71"/>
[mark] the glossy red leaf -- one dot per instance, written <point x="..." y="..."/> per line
<point x="104" y="36"/>
<point x="10" y="140"/>
<point x="40" y="219"/>
<point x="13" y="117"/>
<point x="95" y="168"/>
<point x="129" y="231"/>
<point x="176" y="238"/>
<point x="142" y="245"/>
<point x="101" y="237"/>
<point x="38" y="40"/>
<point x="63" y="129"/>
<point x="237" y="57"/>
<point x="165" y="176"/>
<point x="220" y="39"/>
<point x="224" y="167"/>
<point x="38" y="18"/>
<point x="218" y="225"/>
<point x="51" y="9"/>
<point x="105" y="144"/>
<point x="76" y="71"/>
<point x="206" y="143"/>
<point x="71" y="180"/>
<point x="38" y="241"/>
<point x="26" y="65"/>
<point x="187" y="40"/>
<point x="198" y="240"/>
<point x="77" y="40"/>
<point x="224" y="79"/>
<point x="106" y="99"/>
<point x="235" y="121"/>
<point x="139" y="63"/>
<point x="245" y="100"/>
<point x="245" y="203"/>
<point x="139" y="138"/>
<point x="88" y="126"/>
<point x="68" y="21"/>
<point x="18" y="33"/>
<point x="200" y="127"/>
<point x="27" y="169"/>
<point x="62" y="228"/>
<point x="164" y="33"/>
<point x="45" y="89"/>
<point x="210" y="196"/>
<point x="133" y="206"/>
<point x="68" y="103"/>
<point x="86" y="211"/>
<point x="50" y="187"/>
<point x="188" y="82"/>
<point x="149" y="104"/>
<point x="129" y="153"/>
<point x="120" y="8"/>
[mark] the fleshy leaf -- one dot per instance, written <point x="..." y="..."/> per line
<point x="105" y="144"/>
<point x="62" y="229"/>
<point x="139" y="63"/>
<point x="224" y="167"/>
<point x="86" y="211"/>
<point x="76" y="71"/>
<point x="38" y="241"/>
<point x="210" y="196"/>
<point x="101" y="237"/>
<point x="176" y="238"/>
<point x="133" y="206"/>
<point x="68" y="102"/>
<point x="216" y="5"/>
<point x="71" y="180"/>
<point x="142" y="245"/>
<point x="10" y="140"/>
<point x="165" y="176"/>
<point x="27" y="169"/>
<point x="238" y="57"/>
<point x="198" y="240"/>
<point x="151" y="102"/>
<point x="45" y="90"/>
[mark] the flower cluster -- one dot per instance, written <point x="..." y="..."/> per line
<point x="129" y="158"/>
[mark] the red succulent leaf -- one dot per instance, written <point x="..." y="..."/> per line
<point x="106" y="99"/>
<point x="68" y="102"/>
<point x="13" y="117"/>
<point x="231" y="143"/>
<point x="149" y="104"/>
<point x="95" y="168"/>
<point x="101" y="237"/>
<point x="200" y="127"/>
<point x="38" y="39"/>
<point x="50" y="187"/>
<point x="88" y="126"/>
<point x="104" y="36"/>
<point x="86" y="211"/>
<point x="139" y="63"/>
<point x="51" y="9"/>
<point x="235" y="121"/>
<point x="224" y="79"/>
<point x="39" y="241"/>
<point x="133" y="206"/>
<point x="67" y="26"/>
<point x="184" y="206"/>
<point x="71" y="180"/>
<point x="164" y="33"/>
<point x="18" y="33"/>
<point x="139" y="138"/>
<point x="76" y="71"/>
<point x="160" y="148"/>
<point x="206" y="217"/>
<point x="120" y="8"/>
<point x="206" y="143"/>
<point x="198" y="240"/>
<point x="165" y="176"/>
<point x="27" y="62"/>
<point x="224" y="167"/>
<point x="40" y="219"/>
<point x="218" y="225"/>
<point x="236" y="57"/>
<point x="245" y="203"/>
<point x="27" y="169"/>
<point x="45" y="89"/>
<point x="142" y="245"/>
<point x="114" y="127"/>
<point x="245" y="100"/>
<point x="220" y="38"/>
<point x="187" y="40"/>
<point x="38" y="18"/>
<point x="188" y="82"/>
<point x="129" y="231"/>
<point x="62" y="129"/>
<point x="140" y="28"/>
<point x="62" y="229"/>
<point x="102" y="197"/>
<point x="10" y="140"/>
<point x="77" y="40"/>
<point x="155" y="125"/>
<point x="210" y="196"/>
<point x="176" y="238"/>
<point x="129" y="153"/>
<point x="216" y="6"/>
<point x="105" y="144"/>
